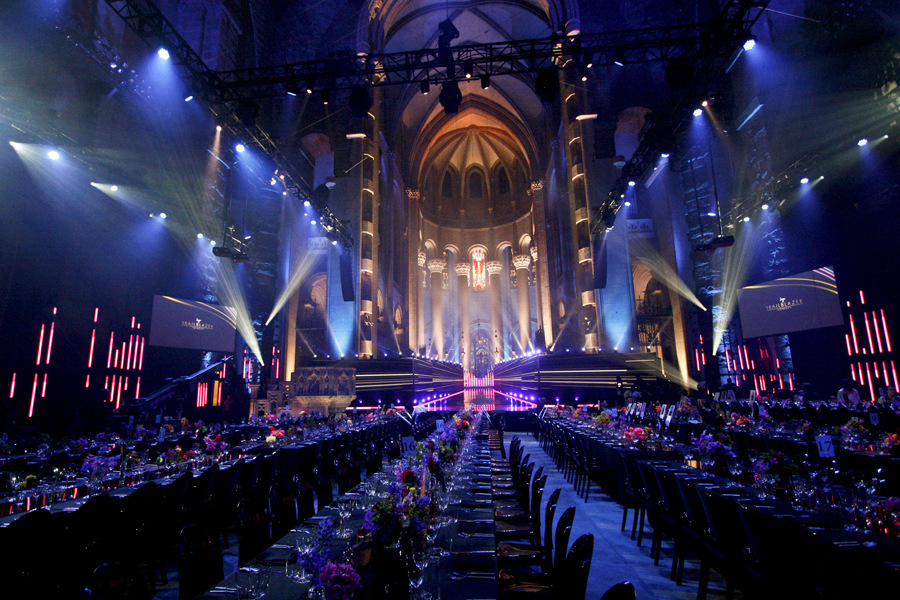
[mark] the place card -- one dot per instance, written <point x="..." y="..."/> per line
<point x="825" y="444"/>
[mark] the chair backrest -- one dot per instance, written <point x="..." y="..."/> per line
<point x="114" y="581"/>
<point x="199" y="561"/>
<point x="620" y="591"/>
<point x="534" y="508"/>
<point x="549" y="513"/>
<point x="573" y="582"/>
<point x="561" y="542"/>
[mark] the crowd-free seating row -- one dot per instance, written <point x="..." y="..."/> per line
<point x="189" y="517"/>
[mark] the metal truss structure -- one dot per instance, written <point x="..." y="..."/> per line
<point x="702" y="49"/>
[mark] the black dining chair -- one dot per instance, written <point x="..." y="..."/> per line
<point x="620" y="591"/>
<point x="117" y="581"/>
<point x="519" y="553"/>
<point x="200" y="565"/>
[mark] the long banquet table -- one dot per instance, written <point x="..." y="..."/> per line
<point x="468" y="571"/>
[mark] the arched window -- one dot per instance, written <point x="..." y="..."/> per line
<point x="502" y="181"/>
<point x="447" y="186"/>
<point x="475" y="186"/>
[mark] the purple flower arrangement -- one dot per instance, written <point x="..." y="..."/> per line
<point x="342" y="581"/>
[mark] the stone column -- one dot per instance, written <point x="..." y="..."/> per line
<point x="465" y="344"/>
<point x="436" y="267"/>
<point x="521" y="262"/>
<point x="494" y="268"/>
<point x="421" y="274"/>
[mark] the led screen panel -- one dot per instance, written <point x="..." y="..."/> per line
<point x="195" y="325"/>
<point x="797" y="303"/>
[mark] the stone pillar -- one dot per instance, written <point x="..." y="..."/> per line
<point x="290" y="336"/>
<point x="462" y="286"/>
<point x="419" y="300"/>
<point x="494" y="268"/>
<point x="436" y="267"/>
<point x="542" y="281"/>
<point x="521" y="262"/>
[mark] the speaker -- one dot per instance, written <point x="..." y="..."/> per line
<point x="347" y="278"/>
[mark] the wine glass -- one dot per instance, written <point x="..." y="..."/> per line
<point x="416" y="561"/>
<point x="346" y="504"/>
<point x="734" y="467"/>
<point x="294" y="568"/>
<point x="251" y="583"/>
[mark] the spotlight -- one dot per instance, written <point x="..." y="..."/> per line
<point x="114" y="188"/>
<point x="273" y="181"/>
<point x="698" y="112"/>
<point x="309" y="86"/>
<point x="583" y="72"/>
<point x="750" y="43"/>
<point x="312" y="222"/>
<point x="468" y="68"/>
<point x="765" y="207"/>
<point x="189" y="98"/>
<point x="240" y="147"/>
<point x="162" y="215"/>
<point x="746" y="219"/>
<point x="326" y="96"/>
<point x="334" y="242"/>
<point x="218" y="128"/>
<point x="631" y="183"/>
<point x="805" y="180"/>
<point x="53" y="155"/>
<point x="619" y="58"/>
<point x="862" y="142"/>
<point x="306" y="203"/>
<point x="199" y="236"/>
<point x="163" y="53"/>
<point x="424" y="86"/>
<point x="710" y="214"/>
<point x="627" y="203"/>
<point x="664" y="155"/>
<point x="705" y="103"/>
<point x="486" y="82"/>
<point x="212" y="242"/>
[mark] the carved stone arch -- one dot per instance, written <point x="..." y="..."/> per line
<point x="502" y="246"/>
<point x="452" y="249"/>
<point x="641" y="275"/>
<point x="430" y="248"/>
<point x="525" y="243"/>
<point x="474" y="247"/>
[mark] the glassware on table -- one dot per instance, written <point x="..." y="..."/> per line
<point x="416" y="560"/>
<point x="346" y="504"/>
<point x="295" y="570"/>
<point x="251" y="583"/>
<point x="735" y="468"/>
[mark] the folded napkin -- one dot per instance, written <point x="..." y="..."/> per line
<point x="474" y="527"/>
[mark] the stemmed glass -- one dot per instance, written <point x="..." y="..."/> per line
<point x="734" y="467"/>
<point x="416" y="561"/>
<point x="346" y="505"/>
<point x="251" y="584"/>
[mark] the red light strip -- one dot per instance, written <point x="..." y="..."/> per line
<point x="91" y="351"/>
<point x="116" y="359"/>
<point x="847" y="338"/>
<point x="126" y="382"/>
<point x="40" y="346"/>
<point x="122" y="356"/>
<point x="862" y="379"/>
<point x="877" y="333"/>
<point x="44" y="387"/>
<point x="853" y="331"/>
<point x="130" y="344"/>
<point x="12" y="386"/>
<point x="33" y="394"/>
<point x="112" y="390"/>
<point x="96" y="313"/>
<point x="141" y="362"/>
<point x="119" y="395"/>
<point x="137" y="388"/>
<point x="109" y="353"/>
<point x="887" y="337"/>
<point x="896" y="382"/>
<point x="871" y="384"/>
<point x="853" y="371"/>
<point x="746" y="356"/>
<point x="862" y="299"/>
<point x="869" y="332"/>
<point x="50" y="339"/>
<point x="875" y="366"/>
<point x="87" y="381"/>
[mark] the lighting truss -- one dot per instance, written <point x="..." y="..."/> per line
<point x="147" y="21"/>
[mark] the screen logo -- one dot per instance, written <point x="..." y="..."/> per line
<point x="784" y="304"/>
<point x="197" y="325"/>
